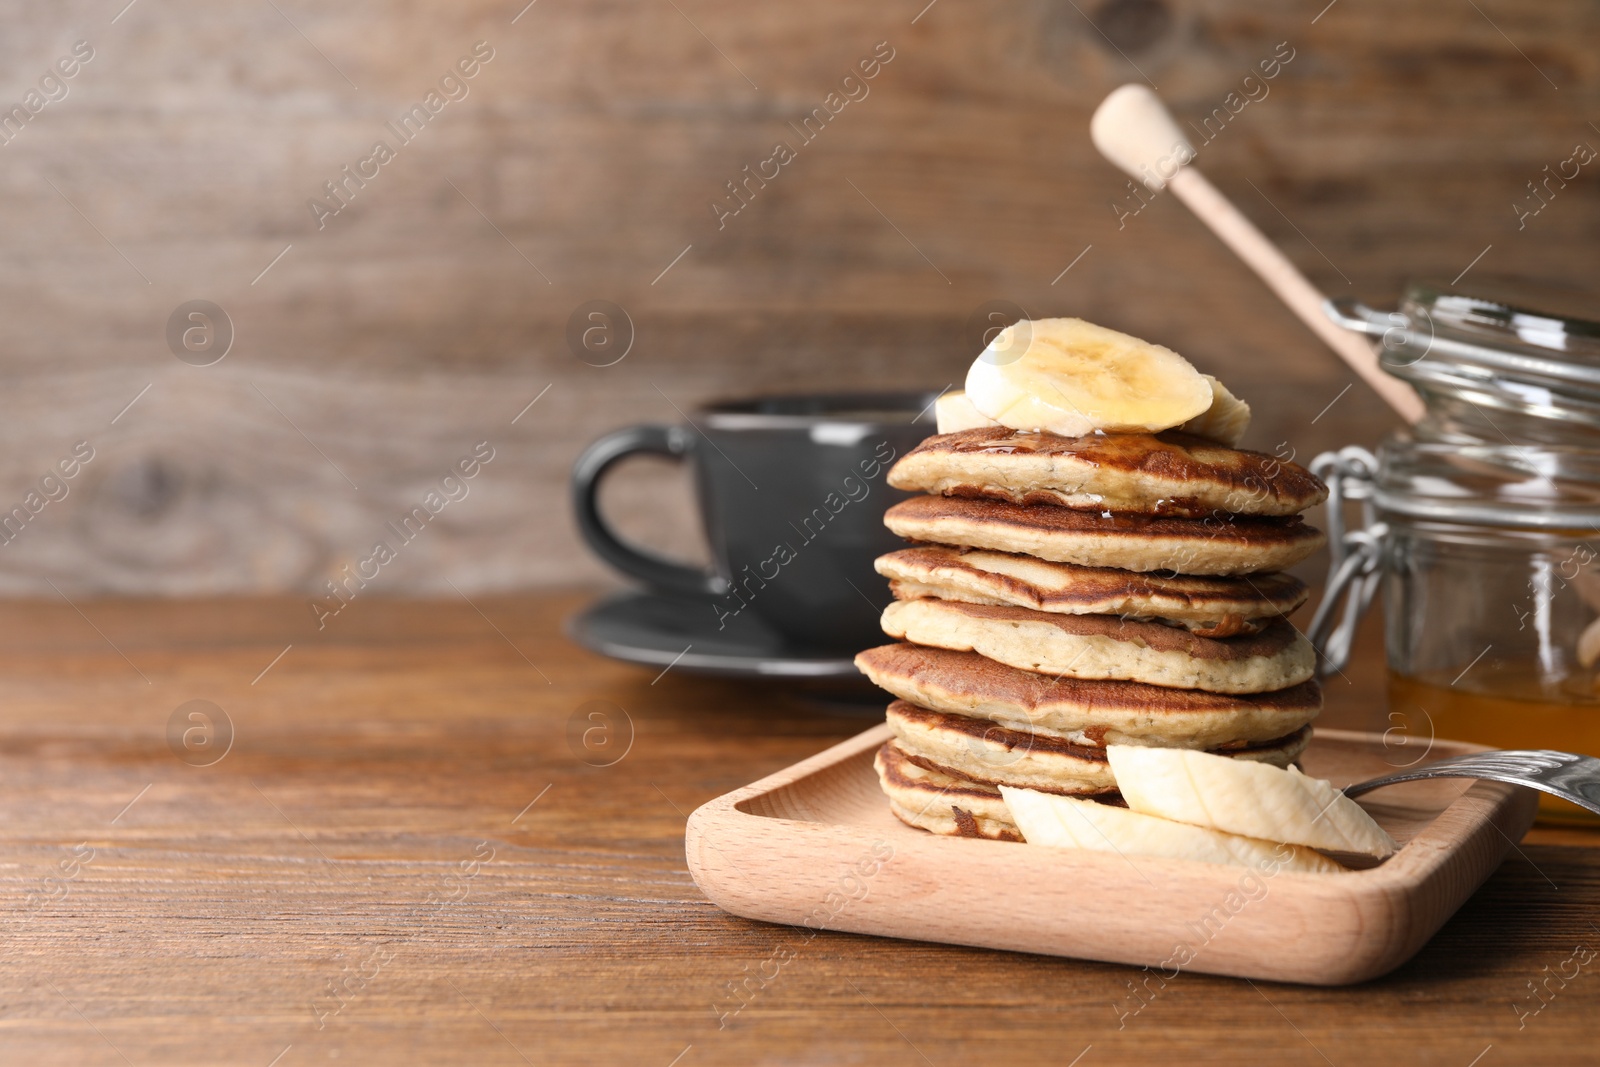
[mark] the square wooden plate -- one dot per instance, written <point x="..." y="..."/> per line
<point x="815" y="844"/>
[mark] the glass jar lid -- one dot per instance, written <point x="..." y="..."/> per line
<point x="1510" y="357"/>
<point x="1511" y="437"/>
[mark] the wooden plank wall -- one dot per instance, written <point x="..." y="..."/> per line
<point x="177" y="163"/>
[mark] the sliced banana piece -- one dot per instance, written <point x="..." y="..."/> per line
<point x="953" y="412"/>
<point x="1250" y="799"/>
<point x="1072" y="377"/>
<point x="1066" y="822"/>
<point x="1225" y="421"/>
<point x="1589" y="645"/>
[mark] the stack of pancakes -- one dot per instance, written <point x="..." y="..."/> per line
<point x="1066" y="593"/>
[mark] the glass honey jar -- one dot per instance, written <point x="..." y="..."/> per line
<point x="1481" y="526"/>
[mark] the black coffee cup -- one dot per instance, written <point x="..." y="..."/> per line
<point x="792" y="492"/>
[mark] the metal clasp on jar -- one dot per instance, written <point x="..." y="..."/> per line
<point x="1356" y="563"/>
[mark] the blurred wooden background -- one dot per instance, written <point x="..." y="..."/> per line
<point x="425" y="316"/>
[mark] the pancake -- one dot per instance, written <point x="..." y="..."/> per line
<point x="940" y="802"/>
<point x="1170" y="473"/>
<point x="987" y="752"/>
<point x="1208" y="606"/>
<point x="1102" y="646"/>
<point x="1088" y="712"/>
<point x="1226" y="546"/>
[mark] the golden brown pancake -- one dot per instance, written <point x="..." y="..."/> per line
<point x="1227" y="545"/>
<point x="1170" y="473"/>
<point x="1103" y="646"/>
<point x="1208" y="606"/>
<point x="1095" y="713"/>
<point x="986" y="751"/>
<point x="941" y="802"/>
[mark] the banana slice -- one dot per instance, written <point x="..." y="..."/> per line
<point x="1072" y="377"/>
<point x="1066" y="822"/>
<point x="954" y="411"/>
<point x="1252" y="799"/>
<point x="1225" y="421"/>
<point x="1589" y="645"/>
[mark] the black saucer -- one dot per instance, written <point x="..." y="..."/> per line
<point x="661" y="631"/>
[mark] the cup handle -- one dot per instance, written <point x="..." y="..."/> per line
<point x="591" y="467"/>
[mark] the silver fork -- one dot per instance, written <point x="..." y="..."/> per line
<point x="1562" y="774"/>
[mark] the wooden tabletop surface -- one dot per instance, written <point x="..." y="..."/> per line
<point x="408" y="855"/>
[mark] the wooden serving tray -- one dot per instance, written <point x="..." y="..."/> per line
<point x="816" y="845"/>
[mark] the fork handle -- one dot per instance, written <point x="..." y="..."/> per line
<point x="1567" y="775"/>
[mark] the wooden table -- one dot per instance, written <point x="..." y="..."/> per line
<point x="401" y="816"/>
